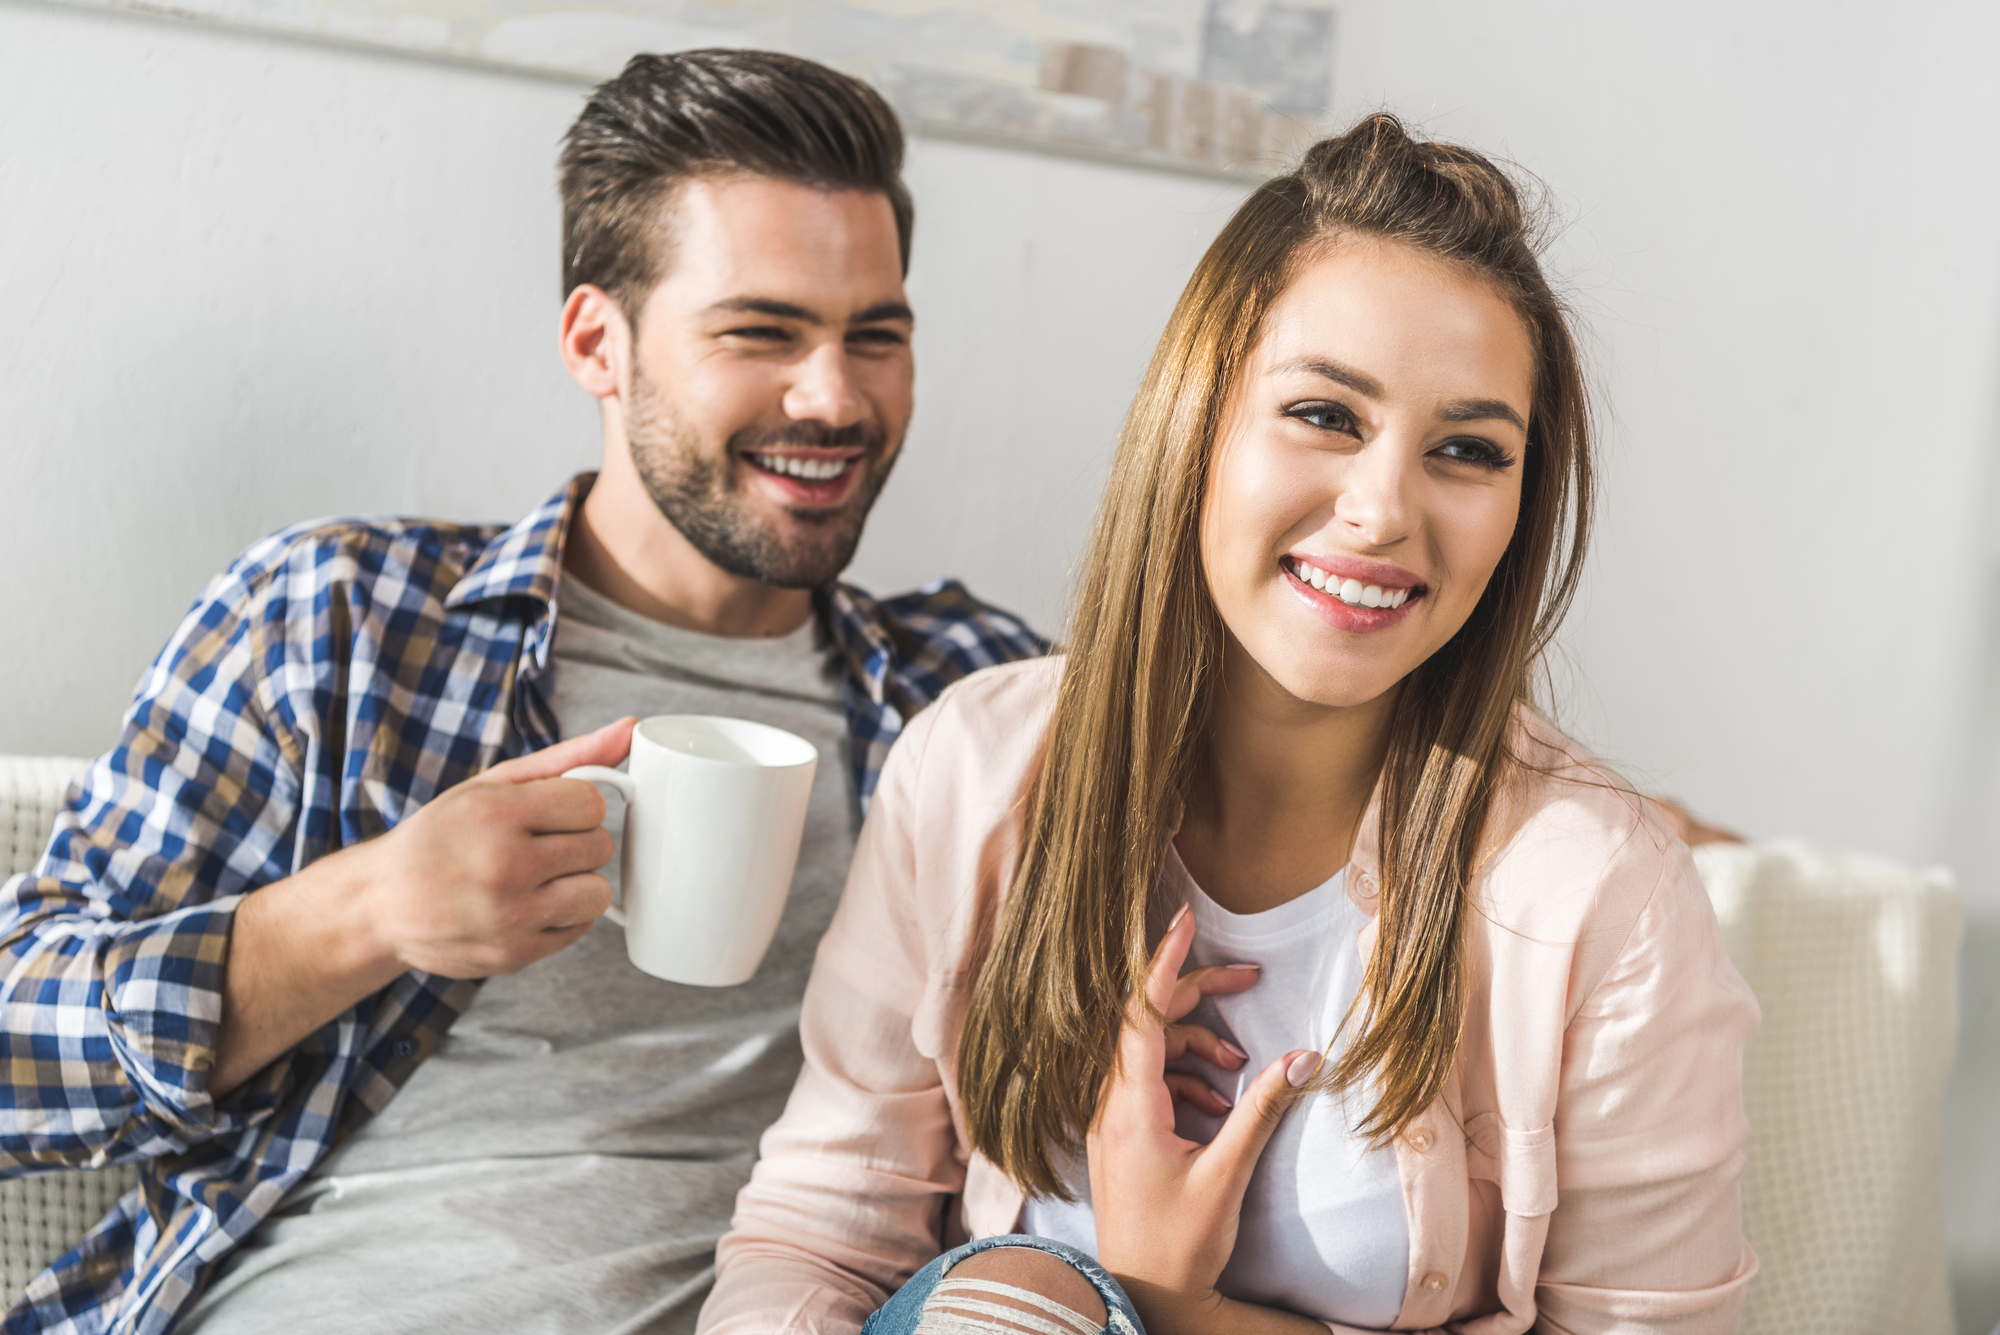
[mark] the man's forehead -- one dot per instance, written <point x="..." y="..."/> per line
<point x="832" y="253"/>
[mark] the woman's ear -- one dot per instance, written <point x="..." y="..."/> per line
<point x="596" y="341"/>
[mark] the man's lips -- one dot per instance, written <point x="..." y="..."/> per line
<point x="808" y="477"/>
<point x="816" y="466"/>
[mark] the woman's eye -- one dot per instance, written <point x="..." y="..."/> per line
<point x="1475" y="451"/>
<point x="1325" y="416"/>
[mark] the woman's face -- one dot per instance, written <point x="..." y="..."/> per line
<point x="1368" y="473"/>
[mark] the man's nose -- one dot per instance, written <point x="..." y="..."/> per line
<point x="824" y="389"/>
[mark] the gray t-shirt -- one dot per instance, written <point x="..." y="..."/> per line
<point x="568" y="1157"/>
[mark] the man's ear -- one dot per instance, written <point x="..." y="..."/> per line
<point x="596" y="341"/>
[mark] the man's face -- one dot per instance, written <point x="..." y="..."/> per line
<point x="771" y="374"/>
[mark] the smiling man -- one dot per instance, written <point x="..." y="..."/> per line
<point x="251" y="958"/>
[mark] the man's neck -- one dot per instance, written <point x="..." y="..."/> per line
<point x="621" y="545"/>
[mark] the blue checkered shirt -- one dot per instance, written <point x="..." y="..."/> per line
<point x="334" y="679"/>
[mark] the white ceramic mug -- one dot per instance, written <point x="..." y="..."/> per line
<point x="714" y="810"/>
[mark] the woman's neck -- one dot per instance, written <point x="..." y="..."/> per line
<point x="1279" y="795"/>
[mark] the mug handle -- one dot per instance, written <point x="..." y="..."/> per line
<point x="627" y="789"/>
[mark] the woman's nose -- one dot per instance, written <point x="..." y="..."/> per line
<point x="1373" y="505"/>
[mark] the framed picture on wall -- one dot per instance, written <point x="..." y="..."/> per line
<point x="1225" y="86"/>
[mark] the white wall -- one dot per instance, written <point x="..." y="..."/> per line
<point x="251" y="281"/>
<point x="246" y="281"/>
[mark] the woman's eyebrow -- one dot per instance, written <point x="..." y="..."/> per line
<point x="1459" y="410"/>
<point x="1334" y="371"/>
<point x="1481" y="410"/>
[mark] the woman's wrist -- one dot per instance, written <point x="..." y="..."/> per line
<point x="1167" y="1310"/>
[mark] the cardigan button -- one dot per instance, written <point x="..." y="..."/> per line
<point x="1366" y="885"/>
<point x="1421" y="1140"/>
<point x="1434" y="1282"/>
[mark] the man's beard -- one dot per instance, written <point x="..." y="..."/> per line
<point x="700" y="495"/>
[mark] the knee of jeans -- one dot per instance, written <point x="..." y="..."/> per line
<point x="1013" y="1291"/>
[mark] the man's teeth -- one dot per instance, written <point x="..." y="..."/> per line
<point x="1352" y="592"/>
<point x="810" y="470"/>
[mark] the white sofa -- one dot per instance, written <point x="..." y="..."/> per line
<point x="1853" y="960"/>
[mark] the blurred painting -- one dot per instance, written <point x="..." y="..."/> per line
<point x="1229" y="86"/>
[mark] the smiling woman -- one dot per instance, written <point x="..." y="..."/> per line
<point x="1265" y="956"/>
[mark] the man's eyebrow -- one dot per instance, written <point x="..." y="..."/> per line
<point x="791" y="310"/>
<point x="783" y="310"/>
<point x="884" y="310"/>
<point x="1482" y="410"/>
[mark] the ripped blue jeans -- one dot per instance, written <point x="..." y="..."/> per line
<point x="904" y="1313"/>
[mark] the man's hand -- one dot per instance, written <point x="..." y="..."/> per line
<point x="489" y="877"/>
<point x="497" y="872"/>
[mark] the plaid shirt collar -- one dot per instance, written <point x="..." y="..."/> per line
<point x="526" y="562"/>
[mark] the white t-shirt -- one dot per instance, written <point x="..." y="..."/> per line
<point x="1323" y="1232"/>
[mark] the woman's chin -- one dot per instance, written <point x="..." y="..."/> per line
<point x="1334" y="687"/>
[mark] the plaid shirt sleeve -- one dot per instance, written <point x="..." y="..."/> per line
<point x="113" y="947"/>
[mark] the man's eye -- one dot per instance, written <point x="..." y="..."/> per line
<point x="877" y="338"/>
<point x="762" y="333"/>
<point x="1325" y="416"/>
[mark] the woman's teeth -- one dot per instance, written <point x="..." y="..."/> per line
<point x="1352" y="592"/>
<point x="809" y="470"/>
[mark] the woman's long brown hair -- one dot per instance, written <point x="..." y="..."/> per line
<point x="1144" y="665"/>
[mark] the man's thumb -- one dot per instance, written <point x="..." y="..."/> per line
<point x="607" y="746"/>
<point x="1258" y="1112"/>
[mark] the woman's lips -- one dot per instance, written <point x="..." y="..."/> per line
<point x="1349" y="604"/>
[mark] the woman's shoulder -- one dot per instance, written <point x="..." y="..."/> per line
<point x="993" y="707"/>
<point x="980" y="738"/>
<point x="1573" y="852"/>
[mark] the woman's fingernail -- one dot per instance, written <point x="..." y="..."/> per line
<point x="1252" y="967"/>
<point x="1235" y="1051"/>
<point x="1301" y="1069"/>
<point x="1179" y="913"/>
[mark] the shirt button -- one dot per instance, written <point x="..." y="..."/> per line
<point x="1420" y="1141"/>
<point x="1434" y="1282"/>
<point x="404" y="1048"/>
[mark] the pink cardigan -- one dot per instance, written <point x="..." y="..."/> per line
<point x="1579" y="1173"/>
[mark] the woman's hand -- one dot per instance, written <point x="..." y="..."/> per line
<point x="1167" y="1209"/>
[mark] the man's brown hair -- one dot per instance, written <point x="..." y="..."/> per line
<point x="713" y="112"/>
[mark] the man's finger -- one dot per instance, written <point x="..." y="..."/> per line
<point x="1258" y="1111"/>
<point x="607" y="746"/>
<point x="550" y="857"/>
<point x="556" y="806"/>
<point x="574" y="902"/>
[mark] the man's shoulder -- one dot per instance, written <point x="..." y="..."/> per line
<point x="943" y="625"/>
<point x="366" y="549"/>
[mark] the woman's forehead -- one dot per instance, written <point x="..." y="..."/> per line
<point x="1402" y="322"/>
